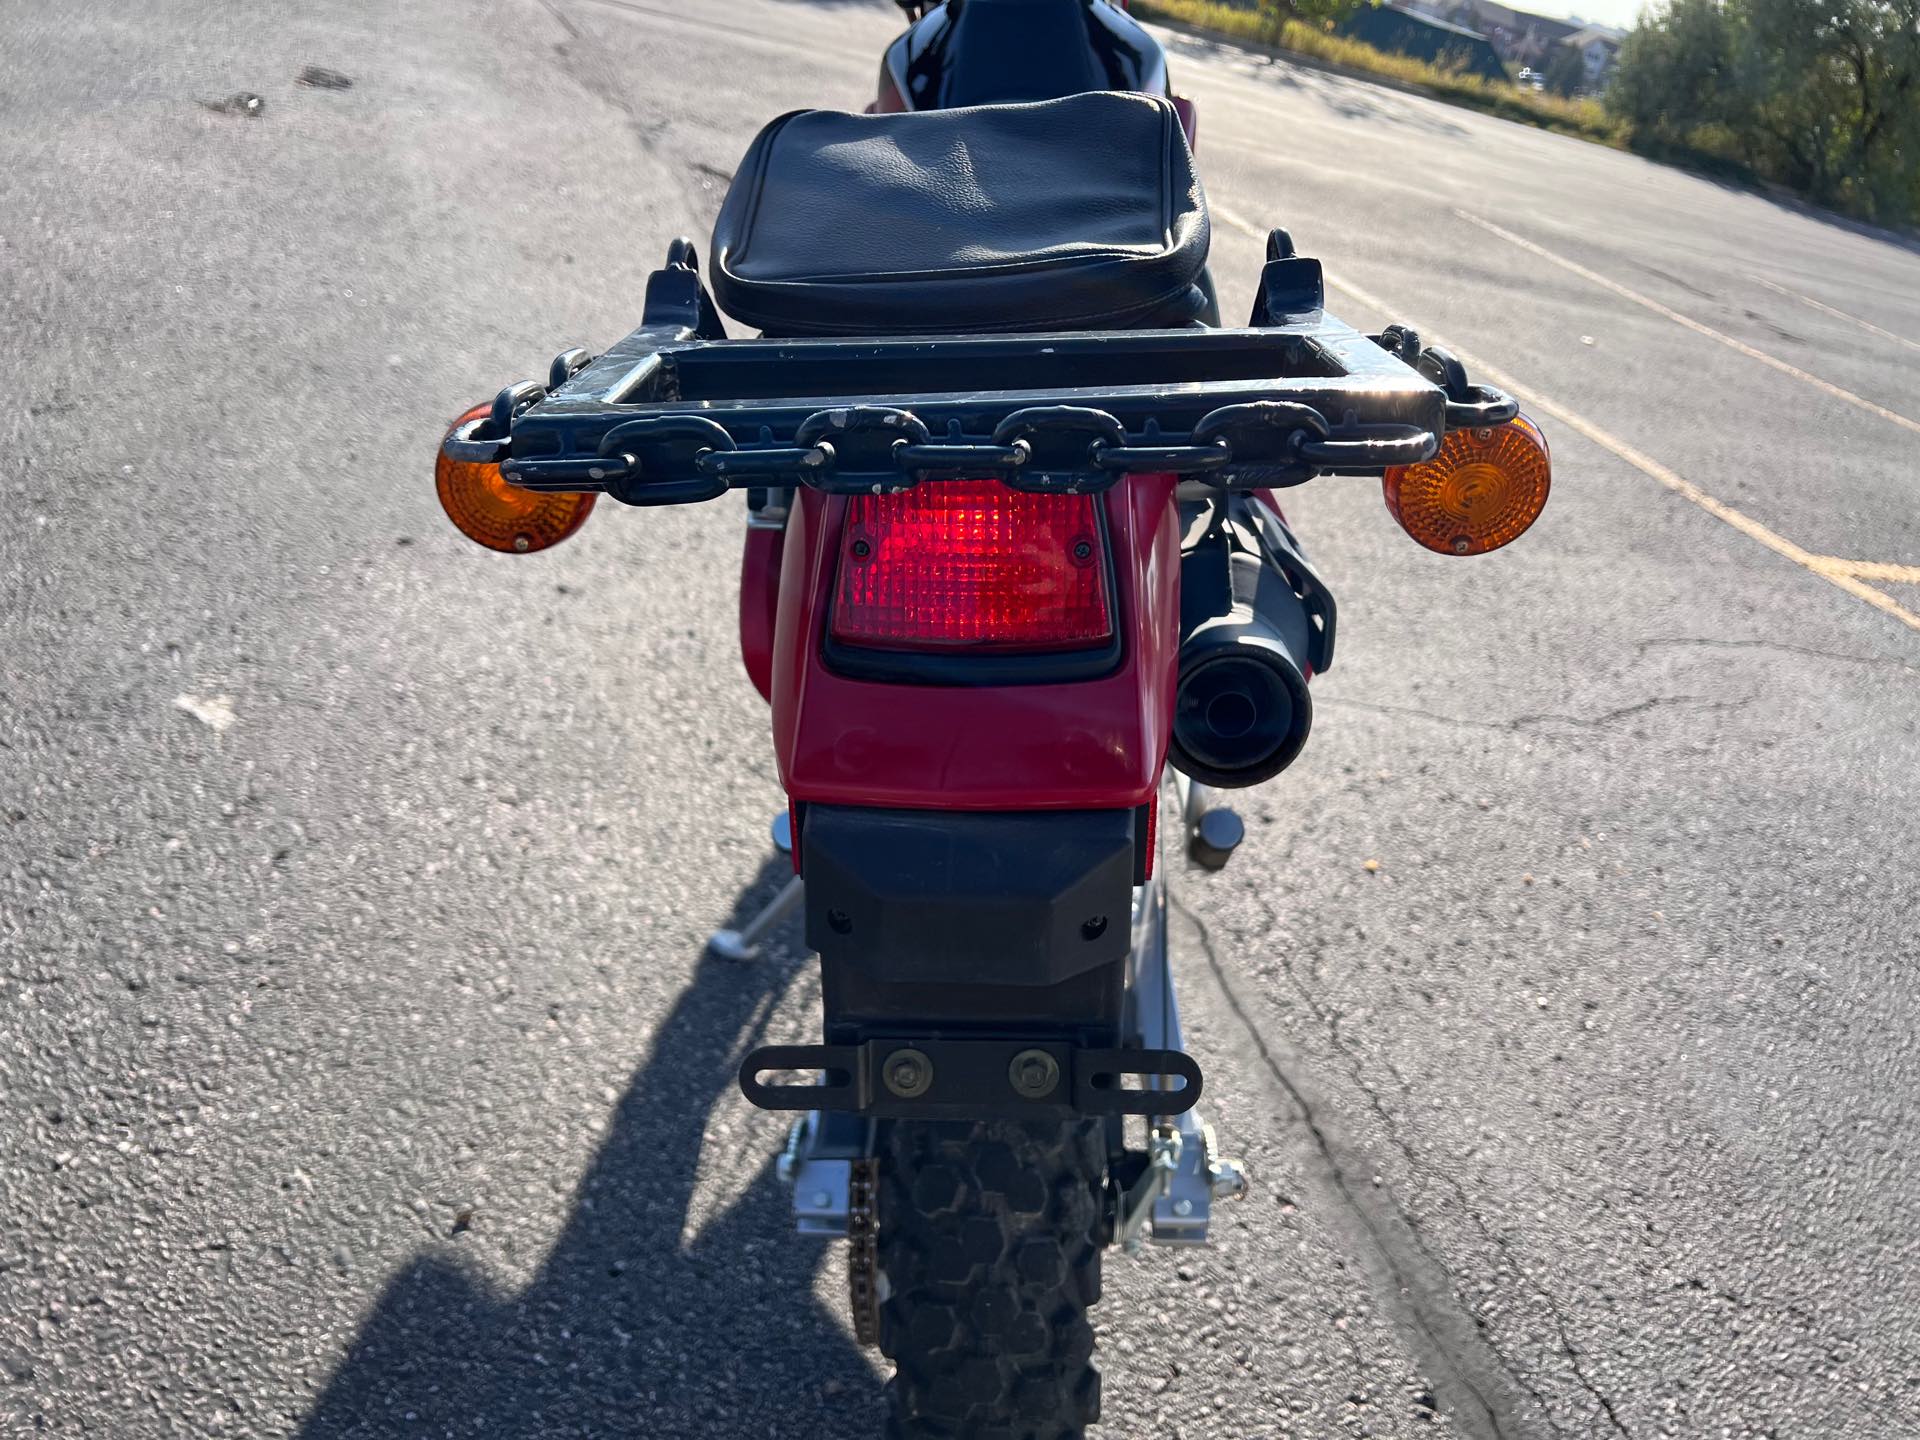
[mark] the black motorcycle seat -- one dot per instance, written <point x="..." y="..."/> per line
<point x="1069" y="214"/>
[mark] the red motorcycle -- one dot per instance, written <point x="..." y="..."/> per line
<point x="1013" y="554"/>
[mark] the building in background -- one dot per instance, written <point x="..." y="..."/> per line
<point x="1520" y="37"/>
<point x="1423" y="37"/>
<point x="1598" y="47"/>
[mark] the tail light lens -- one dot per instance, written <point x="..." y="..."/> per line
<point x="1481" y="491"/>
<point x="974" y="565"/>
<point x="491" y="512"/>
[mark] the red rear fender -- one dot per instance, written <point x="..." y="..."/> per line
<point x="1085" y="744"/>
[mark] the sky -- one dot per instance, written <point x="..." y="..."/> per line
<point x="1618" y="13"/>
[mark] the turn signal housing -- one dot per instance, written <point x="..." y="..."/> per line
<point x="1482" y="491"/>
<point x="504" y="517"/>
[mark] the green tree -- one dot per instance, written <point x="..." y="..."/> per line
<point x="1566" y="72"/>
<point x="1676" y="72"/>
<point x="1275" y="14"/>
<point x="1821" y="95"/>
<point x="1833" y="86"/>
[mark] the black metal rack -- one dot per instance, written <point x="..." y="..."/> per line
<point x="677" y="413"/>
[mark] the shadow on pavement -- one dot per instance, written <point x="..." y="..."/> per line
<point x="1350" y="96"/>
<point x="626" y="1330"/>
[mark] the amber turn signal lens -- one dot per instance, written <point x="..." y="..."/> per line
<point x="490" y="512"/>
<point x="1481" y="491"/>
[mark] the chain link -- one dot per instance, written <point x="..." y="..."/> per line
<point x="863" y="1253"/>
<point x="1162" y="459"/>
<point x="1469" y="406"/>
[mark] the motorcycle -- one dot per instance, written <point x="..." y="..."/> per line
<point x="1015" y="567"/>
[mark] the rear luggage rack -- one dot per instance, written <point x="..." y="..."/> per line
<point x="677" y="413"/>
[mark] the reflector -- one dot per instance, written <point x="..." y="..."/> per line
<point x="972" y="564"/>
<point x="1481" y="491"/>
<point x="491" y="512"/>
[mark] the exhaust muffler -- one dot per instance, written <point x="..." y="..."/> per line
<point x="1256" y="623"/>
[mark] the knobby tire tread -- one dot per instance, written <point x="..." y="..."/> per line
<point x="990" y="1238"/>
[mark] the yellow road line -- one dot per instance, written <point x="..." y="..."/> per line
<point x="1866" y="325"/>
<point x="1834" y="571"/>
<point x="1869" y="569"/>
<point x="1826" y="387"/>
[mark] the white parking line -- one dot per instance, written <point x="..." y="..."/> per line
<point x="1835" y="572"/>
<point x="1824" y="309"/>
<point x="1576" y="268"/>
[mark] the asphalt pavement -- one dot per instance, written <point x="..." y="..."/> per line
<point x="362" y="1072"/>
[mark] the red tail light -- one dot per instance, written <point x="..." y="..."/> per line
<point x="972" y="564"/>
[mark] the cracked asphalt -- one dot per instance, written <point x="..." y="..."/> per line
<point x="362" y="1073"/>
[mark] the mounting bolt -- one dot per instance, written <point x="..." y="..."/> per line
<point x="1183" y="1207"/>
<point x="789" y="1163"/>
<point x="908" y="1074"/>
<point x="1227" y="1179"/>
<point x="1214" y="838"/>
<point x="1034" y="1074"/>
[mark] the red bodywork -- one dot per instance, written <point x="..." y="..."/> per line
<point x="1095" y="744"/>
<point x="1189" y="114"/>
<point x="759" y="595"/>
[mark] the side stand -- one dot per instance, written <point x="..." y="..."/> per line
<point x="744" y="944"/>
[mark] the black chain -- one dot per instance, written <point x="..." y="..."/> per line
<point x="1469" y="406"/>
<point x="863" y="1250"/>
<point x="673" y="459"/>
<point x="970" y="458"/>
<point x="1162" y="459"/>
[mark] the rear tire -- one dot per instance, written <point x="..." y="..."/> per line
<point x="989" y="1243"/>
